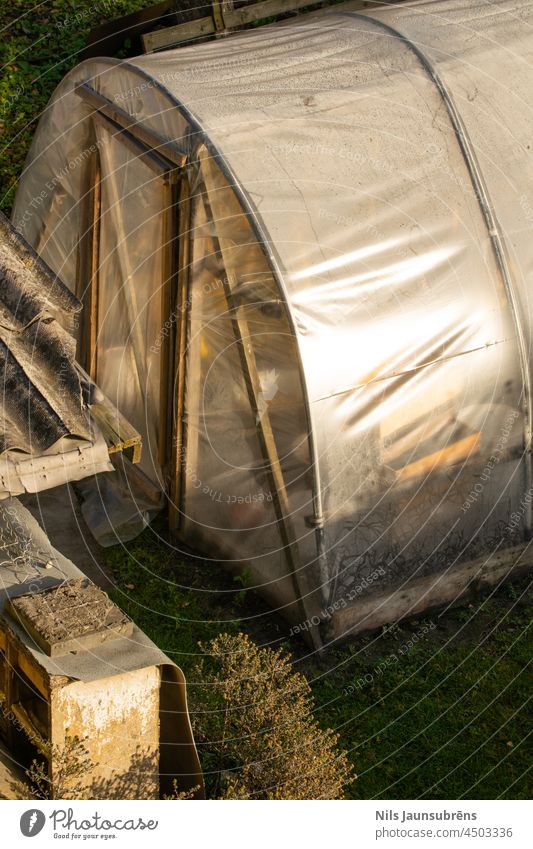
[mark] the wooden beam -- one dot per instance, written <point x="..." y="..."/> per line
<point x="262" y="417"/>
<point x="266" y="9"/>
<point x="118" y="434"/>
<point x="35" y="673"/>
<point x="457" y="452"/>
<point x="221" y="19"/>
<point x="168" y="298"/>
<point x="218" y="16"/>
<point x="87" y="265"/>
<point x="170" y="174"/>
<point x="181" y="306"/>
<point x="127" y="291"/>
<point x="137" y="479"/>
<point x="170" y="36"/>
<point x="225" y="18"/>
<point x="161" y="166"/>
<point x="150" y="138"/>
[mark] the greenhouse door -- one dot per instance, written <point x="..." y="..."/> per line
<point x="127" y="323"/>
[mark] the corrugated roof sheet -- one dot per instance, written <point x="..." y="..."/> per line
<point x="41" y="396"/>
<point x="47" y="433"/>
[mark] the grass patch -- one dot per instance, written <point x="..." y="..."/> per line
<point x="448" y="719"/>
<point x="434" y="708"/>
<point x="173" y="613"/>
<point x="40" y="43"/>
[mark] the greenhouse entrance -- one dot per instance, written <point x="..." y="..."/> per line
<point x="125" y="278"/>
<point x="186" y="327"/>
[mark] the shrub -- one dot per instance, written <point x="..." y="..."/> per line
<point x="72" y="764"/>
<point x="254" y="721"/>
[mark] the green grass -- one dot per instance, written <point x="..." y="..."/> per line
<point x="39" y="43"/>
<point x="175" y="616"/>
<point x="447" y="720"/>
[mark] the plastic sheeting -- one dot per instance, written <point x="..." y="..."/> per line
<point x="368" y="180"/>
<point x="130" y="286"/>
<point x="243" y="387"/>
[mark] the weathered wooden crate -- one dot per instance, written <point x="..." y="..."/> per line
<point x="115" y="716"/>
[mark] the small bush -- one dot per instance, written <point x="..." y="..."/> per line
<point x="254" y="721"/>
<point x="72" y="763"/>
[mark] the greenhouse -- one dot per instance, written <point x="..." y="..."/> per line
<point x="306" y="281"/>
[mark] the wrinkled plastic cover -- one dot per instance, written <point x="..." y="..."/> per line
<point x="411" y="368"/>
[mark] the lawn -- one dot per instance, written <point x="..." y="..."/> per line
<point x="435" y="708"/>
<point x="39" y="43"/>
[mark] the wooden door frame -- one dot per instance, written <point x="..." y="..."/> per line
<point x="147" y="147"/>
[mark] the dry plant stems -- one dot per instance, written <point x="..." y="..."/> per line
<point x="254" y="717"/>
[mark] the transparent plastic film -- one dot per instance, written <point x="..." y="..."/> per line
<point x="130" y="292"/>
<point x="244" y="405"/>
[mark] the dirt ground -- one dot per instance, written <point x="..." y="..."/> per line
<point x="58" y="513"/>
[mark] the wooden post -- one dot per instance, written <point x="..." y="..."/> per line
<point x="87" y="271"/>
<point x="264" y="426"/>
<point x="181" y="306"/>
<point x="168" y="300"/>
